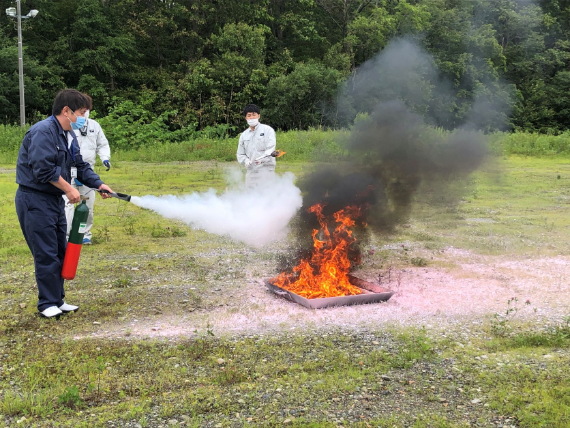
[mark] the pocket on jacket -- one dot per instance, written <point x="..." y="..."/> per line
<point x="260" y="144"/>
<point x="61" y="156"/>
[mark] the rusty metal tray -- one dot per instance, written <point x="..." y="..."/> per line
<point x="371" y="293"/>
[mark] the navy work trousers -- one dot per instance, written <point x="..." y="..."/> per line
<point x="42" y="219"/>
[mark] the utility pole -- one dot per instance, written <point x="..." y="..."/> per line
<point x="17" y="13"/>
<point x="21" y="66"/>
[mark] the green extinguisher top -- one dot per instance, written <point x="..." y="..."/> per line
<point x="79" y="223"/>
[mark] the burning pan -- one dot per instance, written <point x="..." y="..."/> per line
<point x="371" y="293"/>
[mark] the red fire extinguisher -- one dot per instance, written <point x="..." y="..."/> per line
<point x="75" y="241"/>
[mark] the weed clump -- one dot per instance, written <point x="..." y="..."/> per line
<point x="70" y="398"/>
<point x="166" y="232"/>
<point x="501" y="324"/>
<point x="125" y="281"/>
<point x="419" y="261"/>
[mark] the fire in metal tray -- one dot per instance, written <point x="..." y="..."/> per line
<point x="369" y="293"/>
<point x="323" y="279"/>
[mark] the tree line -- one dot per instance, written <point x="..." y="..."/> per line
<point x="187" y="66"/>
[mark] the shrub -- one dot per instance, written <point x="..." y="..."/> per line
<point x="301" y="98"/>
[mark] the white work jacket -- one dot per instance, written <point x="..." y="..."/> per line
<point x="256" y="143"/>
<point x="93" y="143"/>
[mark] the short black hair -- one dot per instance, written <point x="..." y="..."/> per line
<point x="89" y="100"/>
<point x="250" y="108"/>
<point x="70" y="98"/>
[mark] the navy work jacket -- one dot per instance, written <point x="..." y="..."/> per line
<point x="44" y="157"/>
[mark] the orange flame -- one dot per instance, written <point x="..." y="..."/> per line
<point x="325" y="274"/>
<point x="281" y="153"/>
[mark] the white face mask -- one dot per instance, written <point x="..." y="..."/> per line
<point x="252" y="122"/>
<point x="86" y="114"/>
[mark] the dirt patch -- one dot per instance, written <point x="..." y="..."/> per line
<point x="470" y="292"/>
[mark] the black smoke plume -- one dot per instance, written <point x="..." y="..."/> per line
<point x="393" y="150"/>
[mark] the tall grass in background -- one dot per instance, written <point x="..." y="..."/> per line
<point x="299" y="145"/>
<point x="314" y="144"/>
<point x="10" y="140"/>
<point x="529" y="144"/>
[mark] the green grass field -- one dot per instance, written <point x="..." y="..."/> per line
<point x="70" y="373"/>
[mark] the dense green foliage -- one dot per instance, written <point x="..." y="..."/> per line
<point x="175" y="68"/>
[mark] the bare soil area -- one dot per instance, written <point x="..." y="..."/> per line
<point x="471" y="291"/>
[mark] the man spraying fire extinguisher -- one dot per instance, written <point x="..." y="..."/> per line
<point x="49" y="158"/>
<point x="93" y="143"/>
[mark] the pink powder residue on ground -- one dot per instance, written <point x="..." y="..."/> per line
<point x="472" y="291"/>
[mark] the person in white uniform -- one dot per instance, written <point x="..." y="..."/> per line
<point x="257" y="141"/>
<point x="93" y="143"/>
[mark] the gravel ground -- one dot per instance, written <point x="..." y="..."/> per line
<point x="467" y="294"/>
<point x="438" y="388"/>
<point x="454" y="303"/>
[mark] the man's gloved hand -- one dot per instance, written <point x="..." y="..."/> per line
<point x="107" y="164"/>
<point x="247" y="163"/>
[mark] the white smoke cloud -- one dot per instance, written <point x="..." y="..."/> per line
<point x="256" y="217"/>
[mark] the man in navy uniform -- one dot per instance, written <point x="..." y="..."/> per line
<point x="49" y="158"/>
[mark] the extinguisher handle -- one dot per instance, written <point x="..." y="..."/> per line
<point x="121" y="196"/>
